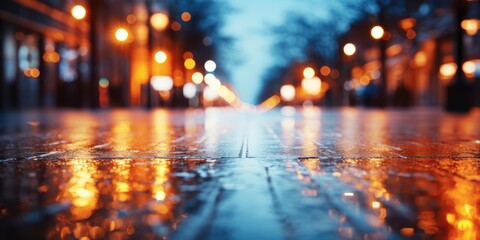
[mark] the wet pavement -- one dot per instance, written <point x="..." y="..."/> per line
<point x="221" y="174"/>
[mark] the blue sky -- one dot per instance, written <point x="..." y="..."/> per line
<point x="249" y="24"/>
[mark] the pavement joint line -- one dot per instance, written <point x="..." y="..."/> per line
<point x="243" y="149"/>
<point x="288" y="229"/>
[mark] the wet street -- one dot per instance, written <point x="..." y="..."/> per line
<point x="221" y="174"/>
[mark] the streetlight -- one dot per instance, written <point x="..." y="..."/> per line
<point x="78" y="12"/>
<point x="210" y="66"/>
<point x="308" y="72"/>
<point x="349" y="49"/>
<point x="121" y="34"/>
<point x="469" y="68"/>
<point x="377" y="32"/>
<point x="160" y="57"/>
<point x="287" y="92"/>
<point x="197" y="78"/>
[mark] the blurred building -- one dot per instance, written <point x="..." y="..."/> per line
<point x="90" y="53"/>
<point x="44" y="52"/>
<point x="420" y="56"/>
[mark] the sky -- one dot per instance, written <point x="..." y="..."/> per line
<point x="249" y="24"/>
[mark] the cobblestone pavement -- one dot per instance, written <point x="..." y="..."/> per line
<point x="220" y="174"/>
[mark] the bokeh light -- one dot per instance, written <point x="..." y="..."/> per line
<point x="214" y="83"/>
<point x="377" y="32"/>
<point x="308" y="72"/>
<point x="407" y="23"/>
<point x="312" y="86"/>
<point x="287" y="92"/>
<point x="470" y="26"/>
<point x="420" y="59"/>
<point x="349" y="49"/>
<point x="209" y="77"/>
<point x="31" y="72"/>
<point x="160" y="57"/>
<point x="187" y="55"/>
<point x="197" y="77"/>
<point x="161" y="83"/>
<point x="448" y="70"/>
<point x="51" y="56"/>
<point x="209" y="94"/>
<point x="131" y="18"/>
<point x="78" y="12"/>
<point x="121" y="34"/>
<point x="189" y="90"/>
<point x="103" y="82"/>
<point x="325" y="70"/>
<point x="159" y="21"/>
<point x="210" y="66"/>
<point x="176" y="26"/>
<point x="411" y="34"/>
<point x="189" y="63"/>
<point x="469" y="68"/>
<point x="186" y="16"/>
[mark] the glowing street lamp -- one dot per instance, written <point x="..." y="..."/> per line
<point x="469" y="68"/>
<point x="121" y="34"/>
<point x="210" y="66"/>
<point x="349" y="49"/>
<point x="308" y="72"/>
<point x="160" y="57"/>
<point x="377" y="32"/>
<point x="197" y="78"/>
<point x="287" y="92"/>
<point x="448" y="70"/>
<point x="78" y="12"/>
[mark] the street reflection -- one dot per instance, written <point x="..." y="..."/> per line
<point x="398" y="198"/>
<point x="97" y="199"/>
<point x="161" y="131"/>
<point x="81" y="189"/>
<point x="462" y="201"/>
<point x="121" y="174"/>
<point x="310" y="130"/>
